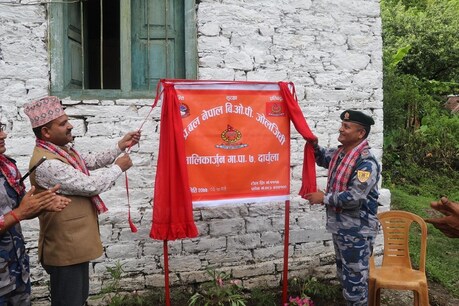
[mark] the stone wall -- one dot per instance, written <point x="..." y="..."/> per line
<point x="330" y="49"/>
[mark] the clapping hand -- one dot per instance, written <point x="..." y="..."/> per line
<point x="33" y="204"/>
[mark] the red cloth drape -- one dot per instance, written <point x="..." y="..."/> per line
<point x="309" y="183"/>
<point x="172" y="206"/>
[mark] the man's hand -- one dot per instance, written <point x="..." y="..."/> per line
<point x="129" y="140"/>
<point x="59" y="203"/>
<point x="449" y="224"/>
<point x="124" y="162"/>
<point x="33" y="204"/>
<point x="315" y="143"/>
<point x="315" y="197"/>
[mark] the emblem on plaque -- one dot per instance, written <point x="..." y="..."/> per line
<point x="184" y="110"/>
<point x="275" y="109"/>
<point x="231" y="137"/>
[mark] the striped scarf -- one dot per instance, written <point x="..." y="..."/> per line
<point x="74" y="159"/>
<point x="339" y="177"/>
<point x="11" y="174"/>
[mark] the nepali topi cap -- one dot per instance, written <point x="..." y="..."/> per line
<point x="44" y="110"/>
<point x="357" y="117"/>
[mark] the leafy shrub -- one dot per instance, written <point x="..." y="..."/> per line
<point x="430" y="28"/>
<point x="421" y="139"/>
<point x="219" y="292"/>
<point x="311" y="289"/>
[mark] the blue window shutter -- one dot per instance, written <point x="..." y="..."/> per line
<point x="73" y="67"/>
<point x="157" y="42"/>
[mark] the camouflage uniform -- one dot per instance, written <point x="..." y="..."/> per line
<point x="14" y="261"/>
<point x="351" y="218"/>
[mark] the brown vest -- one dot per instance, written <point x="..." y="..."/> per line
<point x="71" y="236"/>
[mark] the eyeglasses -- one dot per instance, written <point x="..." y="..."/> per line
<point x="2" y="127"/>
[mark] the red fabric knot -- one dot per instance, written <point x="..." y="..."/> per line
<point x="309" y="183"/>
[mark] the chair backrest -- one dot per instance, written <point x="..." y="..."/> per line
<point x="396" y="228"/>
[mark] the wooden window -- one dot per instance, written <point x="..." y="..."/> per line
<point x="120" y="48"/>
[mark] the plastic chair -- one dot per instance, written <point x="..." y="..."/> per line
<point x="396" y="271"/>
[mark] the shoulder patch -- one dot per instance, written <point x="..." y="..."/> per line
<point x="363" y="176"/>
<point x="365" y="153"/>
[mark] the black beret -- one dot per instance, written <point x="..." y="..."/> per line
<point x="357" y="117"/>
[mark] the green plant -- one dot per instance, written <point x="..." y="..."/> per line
<point x="430" y="30"/>
<point x="321" y="288"/>
<point x="111" y="293"/>
<point x="420" y="69"/>
<point x="219" y="292"/>
<point x="311" y="288"/>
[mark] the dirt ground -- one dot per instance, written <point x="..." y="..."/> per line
<point x="438" y="296"/>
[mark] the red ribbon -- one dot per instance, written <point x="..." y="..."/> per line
<point x="131" y="224"/>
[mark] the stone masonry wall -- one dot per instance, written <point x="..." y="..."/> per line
<point x="330" y="49"/>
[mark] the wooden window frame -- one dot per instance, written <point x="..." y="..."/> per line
<point x="57" y="59"/>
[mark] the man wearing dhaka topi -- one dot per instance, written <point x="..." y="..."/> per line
<point x="69" y="240"/>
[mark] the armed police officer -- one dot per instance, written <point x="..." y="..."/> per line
<point x="351" y="202"/>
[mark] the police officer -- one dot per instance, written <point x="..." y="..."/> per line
<point x="351" y="202"/>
